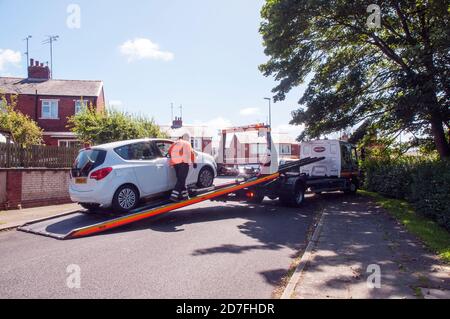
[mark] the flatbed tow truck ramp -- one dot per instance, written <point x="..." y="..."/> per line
<point x="78" y="224"/>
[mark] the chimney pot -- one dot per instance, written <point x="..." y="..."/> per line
<point x="37" y="70"/>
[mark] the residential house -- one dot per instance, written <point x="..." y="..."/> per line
<point x="50" y="102"/>
<point x="201" y="136"/>
<point x="247" y="148"/>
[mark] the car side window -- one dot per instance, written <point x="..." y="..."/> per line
<point x="163" y="147"/>
<point x="137" y="151"/>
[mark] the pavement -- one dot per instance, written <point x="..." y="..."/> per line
<point x="357" y="239"/>
<point x="16" y="217"/>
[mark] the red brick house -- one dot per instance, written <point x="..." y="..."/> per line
<point x="50" y="102"/>
<point x="246" y="148"/>
<point x="200" y="135"/>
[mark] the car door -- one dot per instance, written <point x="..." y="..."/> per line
<point x="192" y="177"/>
<point x="163" y="148"/>
<point x="149" y="168"/>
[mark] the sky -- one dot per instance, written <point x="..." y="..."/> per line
<point x="201" y="54"/>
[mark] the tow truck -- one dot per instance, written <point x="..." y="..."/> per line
<point x="285" y="181"/>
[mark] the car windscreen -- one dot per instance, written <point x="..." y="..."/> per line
<point x="86" y="161"/>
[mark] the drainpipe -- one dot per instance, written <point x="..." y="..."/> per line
<point x="36" y="106"/>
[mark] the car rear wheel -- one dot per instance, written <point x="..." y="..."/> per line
<point x="125" y="198"/>
<point x="91" y="208"/>
<point x="205" y="178"/>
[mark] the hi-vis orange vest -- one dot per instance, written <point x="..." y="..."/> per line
<point x="181" y="152"/>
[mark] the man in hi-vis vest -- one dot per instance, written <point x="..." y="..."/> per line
<point x="181" y="156"/>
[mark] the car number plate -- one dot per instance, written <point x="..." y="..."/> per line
<point x="80" y="180"/>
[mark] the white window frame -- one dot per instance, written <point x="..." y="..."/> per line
<point x="289" y="148"/>
<point x="79" y="106"/>
<point x="53" y="114"/>
<point x="66" y="142"/>
<point x="258" y="149"/>
<point x="196" y="143"/>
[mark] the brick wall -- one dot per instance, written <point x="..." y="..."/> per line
<point x="295" y="150"/>
<point x="2" y="187"/>
<point x="66" y="108"/>
<point x="31" y="105"/>
<point x="34" y="187"/>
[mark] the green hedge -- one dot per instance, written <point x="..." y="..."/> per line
<point x="424" y="183"/>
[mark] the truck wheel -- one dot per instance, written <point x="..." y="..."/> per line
<point x="125" y="198"/>
<point x="257" y="199"/>
<point x="352" y="189"/>
<point x="295" y="199"/>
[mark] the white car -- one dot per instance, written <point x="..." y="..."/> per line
<point x="119" y="174"/>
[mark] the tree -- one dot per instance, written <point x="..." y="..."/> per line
<point x="24" y="130"/>
<point x="91" y="126"/>
<point x="396" y="76"/>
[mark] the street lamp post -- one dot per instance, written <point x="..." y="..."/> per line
<point x="270" y="111"/>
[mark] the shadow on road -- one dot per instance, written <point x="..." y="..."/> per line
<point x="271" y="224"/>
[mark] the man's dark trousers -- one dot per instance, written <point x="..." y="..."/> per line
<point x="181" y="171"/>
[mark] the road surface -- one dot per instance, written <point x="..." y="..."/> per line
<point x="209" y="250"/>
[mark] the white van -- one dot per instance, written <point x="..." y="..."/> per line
<point x="340" y="158"/>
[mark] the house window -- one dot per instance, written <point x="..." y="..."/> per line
<point x="49" y="109"/>
<point x="259" y="149"/>
<point x="80" y="105"/>
<point x="196" y="143"/>
<point x="285" y="149"/>
<point x="69" y="143"/>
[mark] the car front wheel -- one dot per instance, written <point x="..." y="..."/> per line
<point x="125" y="198"/>
<point x="205" y="178"/>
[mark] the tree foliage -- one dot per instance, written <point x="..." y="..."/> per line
<point x="23" y="129"/>
<point x="91" y="126"/>
<point x="396" y="77"/>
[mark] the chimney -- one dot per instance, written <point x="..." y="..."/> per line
<point x="37" y="70"/>
<point x="177" y="123"/>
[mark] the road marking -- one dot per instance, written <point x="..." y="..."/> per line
<point x="290" y="288"/>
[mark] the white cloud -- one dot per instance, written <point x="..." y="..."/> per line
<point x="215" y="124"/>
<point x="219" y="123"/>
<point x="8" y="56"/>
<point x="142" y="48"/>
<point x="250" y="111"/>
<point x="292" y="130"/>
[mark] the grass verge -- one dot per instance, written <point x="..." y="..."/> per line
<point x="432" y="235"/>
